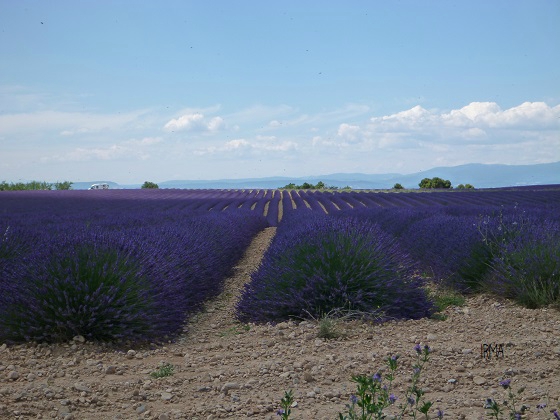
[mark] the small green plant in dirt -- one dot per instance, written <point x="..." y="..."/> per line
<point x="328" y="328"/>
<point x="285" y="405"/>
<point x="444" y="299"/>
<point x="166" y="369"/>
<point x="512" y="409"/>
<point x="329" y="323"/>
<point x="236" y="330"/>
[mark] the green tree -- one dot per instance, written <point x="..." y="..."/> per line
<point x="398" y="186"/>
<point x="435" y="182"/>
<point x="290" y="186"/>
<point x="65" y="185"/>
<point x="149" y="184"/>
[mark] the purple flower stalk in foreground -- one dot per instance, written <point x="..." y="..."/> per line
<point x="489" y="403"/>
<point x="353" y="399"/>
<point x="280" y="412"/>
<point x="440" y="413"/>
<point x="418" y="348"/>
<point x="376" y="377"/>
<point x="556" y="415"/>
<point x="505" y="383"/>
<point x="392" y="399"/>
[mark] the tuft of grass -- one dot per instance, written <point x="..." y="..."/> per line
<point x="328" y="328"/>
<point x="166" y="369"/>
<point x="443" y="300"/>
<point x="329" y="323"/>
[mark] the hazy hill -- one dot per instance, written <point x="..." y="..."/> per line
<point x="479" y="175"/>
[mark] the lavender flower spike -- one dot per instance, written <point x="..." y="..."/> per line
<point x="505" y="383"/>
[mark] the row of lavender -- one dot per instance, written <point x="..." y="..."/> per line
<point x="140" y="249"/>
<point x="111" y="268"/>
<point x="376" y="261"/>
<point x="274" y="204"/>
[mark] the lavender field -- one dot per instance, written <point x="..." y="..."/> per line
<point x="118" y="265"/>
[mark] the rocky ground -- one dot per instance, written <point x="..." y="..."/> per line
<point x="223" y="369"/>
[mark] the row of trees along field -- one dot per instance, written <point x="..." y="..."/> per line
<point x="307" y="186"/>
<point x="435" y="182"/>
<point x="35" y="185"/>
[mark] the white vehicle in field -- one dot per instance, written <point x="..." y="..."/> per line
<point x="99" y="187"/>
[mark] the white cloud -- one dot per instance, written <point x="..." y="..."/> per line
<point x="260" y="145"/>
<point x="479" y="132"/>
<point x="348" y="132"/>
<point x="477" y="115"/>
<point x="216" y="124"/>
<point x="185" y="122"/>
<point x="536" y="115"/>
<point x="194" y="122"/>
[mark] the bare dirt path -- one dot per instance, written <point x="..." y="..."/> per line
<point x="223" y="369"/>
<point x="218" y="315"/>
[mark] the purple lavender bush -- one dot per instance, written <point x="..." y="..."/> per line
<point x="395" y="221"/>
<point x="317" y="264"/>
<point x="15" y="245"/>
<point x="84" y="285"/>
<point x="114" y="281"/>
<point x="526" y="266"/>
<point x="450" y="250"/>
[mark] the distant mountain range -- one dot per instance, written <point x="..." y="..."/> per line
<point x="478" y="175"/>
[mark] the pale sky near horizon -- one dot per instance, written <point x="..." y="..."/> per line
<point x="129" y="91"/>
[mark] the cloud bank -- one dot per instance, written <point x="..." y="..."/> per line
<point x="196" y="143"/>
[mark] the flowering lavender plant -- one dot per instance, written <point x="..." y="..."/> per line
<point x="320" y="264"/>
<point x="515" y="412"/>
<point x="525" y="255"/>
<point x="127" y="277"/>
<point x="373" y="397"/>
<point x="285" y="405"/>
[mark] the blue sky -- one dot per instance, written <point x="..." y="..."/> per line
<point x="130" y="91"/>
